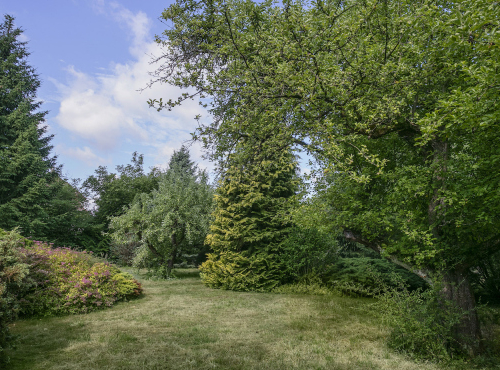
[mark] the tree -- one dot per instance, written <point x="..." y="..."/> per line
<point x="27" y="171"/>
<point x="250" y="220"/>
<point x="68" y="222"/>
<point x="167" y="222"/>
<point x="394" y="98"/>
<point x="180" y="161"/>
<point x="113" y="192"/>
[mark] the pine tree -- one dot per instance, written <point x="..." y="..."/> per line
<point x="181" y="161"/>
<point x="27" y="171"/>
<point x="249" y="224"/>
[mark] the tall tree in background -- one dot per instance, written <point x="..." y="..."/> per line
<point x="27" y="169"/>
<point x="181" y="161"/>
<point x="112" y="192"/>
<point x="169" y="221"/>
<point x="396" y="99"/>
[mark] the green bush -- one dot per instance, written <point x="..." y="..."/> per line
<point x="258" y="272"/>
<point x="364" y="276"/>
<point x="422" y="324"/>
<point x="13" y="274"/>
<point x="304" y="251"/>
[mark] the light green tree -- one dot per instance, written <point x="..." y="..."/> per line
<point x="167" y="222"/>
<point x="250" y="220"/>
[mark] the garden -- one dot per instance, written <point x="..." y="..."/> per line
<point x="383" y="252"/>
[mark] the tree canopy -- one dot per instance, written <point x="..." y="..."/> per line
<point x="397" y="100"/>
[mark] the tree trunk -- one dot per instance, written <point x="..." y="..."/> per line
<point x="456" y="285"/>
<point x="170" y="263"/>
<point x="457" y="289"/>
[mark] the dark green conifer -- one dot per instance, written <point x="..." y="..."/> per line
<point x="181" y="161"/>
<point x="27" y="170"/>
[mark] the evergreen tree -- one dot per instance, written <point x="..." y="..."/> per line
<point x="249" y="222"/>
<point x="27" y="171"/>
<point x="181" y="161"/>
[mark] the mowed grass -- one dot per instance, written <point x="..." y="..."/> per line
<point x="181" y="324"/>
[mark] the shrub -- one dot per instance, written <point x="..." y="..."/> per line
<point x="364" y="276"/>
<point x="305" y="250"/>
<point x="422" y="323"/>
<point x="69" y="282"/>
<point x="12" y="276"/>
<point x="307" y="284"/>
<point x="241" y="271"/>
<point x="124" y="253"/>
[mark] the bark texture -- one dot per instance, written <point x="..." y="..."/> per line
<point x="457" y="289"/>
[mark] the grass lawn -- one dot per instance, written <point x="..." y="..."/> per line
<point x="181" y="324"/>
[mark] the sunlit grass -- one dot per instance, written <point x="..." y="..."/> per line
<point x="180" y="324"/>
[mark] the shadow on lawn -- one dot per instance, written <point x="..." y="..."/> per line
<point x="41" y="339"/>
<point x="186" y="273"/>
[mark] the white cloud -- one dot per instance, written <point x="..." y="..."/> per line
<point x="23" y="37"/>
<point x="107" y="108"/>
<point x="85" y="155"/>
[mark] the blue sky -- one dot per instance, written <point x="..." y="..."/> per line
<point x="92" y="56"/>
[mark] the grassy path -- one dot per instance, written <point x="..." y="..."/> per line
<point x="181" y="324"/>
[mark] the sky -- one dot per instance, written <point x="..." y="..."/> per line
<point x="93" y="58"/>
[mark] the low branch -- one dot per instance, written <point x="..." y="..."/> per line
<point x="375" y="246"/>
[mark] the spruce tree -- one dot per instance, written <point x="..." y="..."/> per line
<point x="248" y="222"/>
<point x="181" y="161"/>
<point x="27" y="171"/>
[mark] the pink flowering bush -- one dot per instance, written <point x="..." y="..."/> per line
<point x="70" y="282"/>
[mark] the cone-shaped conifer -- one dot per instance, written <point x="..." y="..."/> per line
<point x="249" y="224"/>
<point x="27" y="171"/>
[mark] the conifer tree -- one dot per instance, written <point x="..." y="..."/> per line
<point x="27" y="170"/>
<point x="249" y="224"/>
<point x="181" y="161"/>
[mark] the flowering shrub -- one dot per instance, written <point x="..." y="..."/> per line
<point x="12" y="275"/>
<point x="69" y="282"/>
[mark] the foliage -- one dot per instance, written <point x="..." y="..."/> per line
<point x="111" y="193"/>
<point x="250" y="222"/>
<point x="27" y="171"/>
<point x="367" y="276"/>
<point x="70" y="282"/>
<point x="167" y="222"/>
<point x="12" y="274"/>
<point x="124" y="251"/>
<point x="422" y="324"/>
<point x="306" y="250"/>
<point x="486" y="279"/>
<point x="309" y="283"/>
<point x="242" y="271"/>
<point x="395" y="99"/>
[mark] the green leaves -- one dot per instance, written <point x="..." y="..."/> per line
<point x="169" y="221"/>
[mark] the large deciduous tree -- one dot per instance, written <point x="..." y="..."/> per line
<point x="398" y="99"/>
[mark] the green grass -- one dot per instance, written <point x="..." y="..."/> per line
<point x="180" y="324"/>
